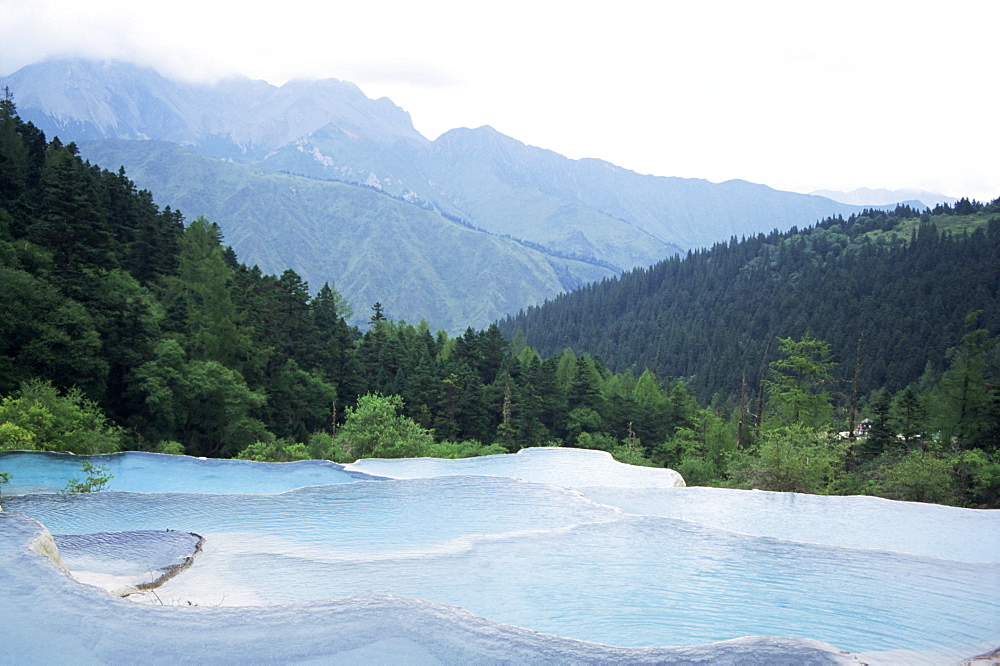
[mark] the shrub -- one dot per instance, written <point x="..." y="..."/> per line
<point x="374" y="429"/>
<point x="96" y="480"/>
<point x="792" y="458"/>
<point x="37" y="416"/>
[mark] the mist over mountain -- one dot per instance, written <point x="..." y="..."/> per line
<point x="315" y="176"/>
<point x="86" y="100"/>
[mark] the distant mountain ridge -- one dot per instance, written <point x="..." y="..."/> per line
<point x="119" y="101"/>
<point x="580" y="220"/>
<point x="865" y="196"/>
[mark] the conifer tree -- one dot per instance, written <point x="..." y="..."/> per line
<point x="966" y="395"/>
<point x="212" y="326"/>
<point x="798" y="385"/>
<point x="71" y="224"/>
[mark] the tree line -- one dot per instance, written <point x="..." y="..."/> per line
<point x="124" y="327"/>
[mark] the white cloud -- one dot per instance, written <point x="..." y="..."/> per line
<point x="796" y="95"/>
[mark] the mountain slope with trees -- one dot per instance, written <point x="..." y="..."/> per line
<point x="586" y="218"/>
<point x="380" y="248"/>
<point x="892" y="289"/>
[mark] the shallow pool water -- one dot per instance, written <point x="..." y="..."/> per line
<point x="868" y="523"/>
<point x="632" y="562"/>
<point x="43" y="472"/>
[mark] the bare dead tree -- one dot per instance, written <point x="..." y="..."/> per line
<point x="743" y="408"/>
<point x="760" y="390"/>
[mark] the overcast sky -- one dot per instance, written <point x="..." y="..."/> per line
<point x="798" y="95"/>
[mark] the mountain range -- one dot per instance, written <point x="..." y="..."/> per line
<point x="866" y="196"/>
<point x="316" y="177"/>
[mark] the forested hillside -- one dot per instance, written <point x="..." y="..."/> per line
<point x="293" y="176"/>
<point x="889" y="289"/>
<point x="122" y="327"/>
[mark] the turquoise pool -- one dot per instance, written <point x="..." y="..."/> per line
<point x="629" y="564"/>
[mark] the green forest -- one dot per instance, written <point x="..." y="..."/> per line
<point x="901" y="281"/>
<point x="127" y="327"/>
